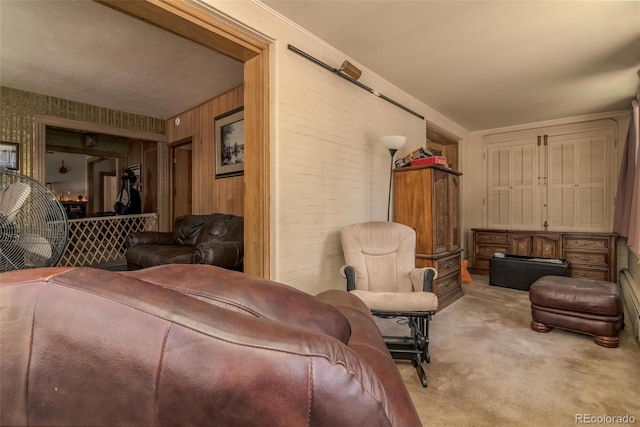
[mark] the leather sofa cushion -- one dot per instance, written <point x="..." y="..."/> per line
<point x="150" y="255"/>
<point x="221" y="227"/>
<point x="186" y="229"/>
<point x="249" y="295"/>
<point x="109" y="349"/>
<point x="577" y="294"/>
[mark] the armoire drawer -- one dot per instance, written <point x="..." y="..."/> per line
<point x="447" y="284"/>
<point x="448" y="265"/>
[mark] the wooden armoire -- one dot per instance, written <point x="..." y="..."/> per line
<point x="427" y="198"/>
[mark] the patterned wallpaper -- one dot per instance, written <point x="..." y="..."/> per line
<point x="18" y="109"/>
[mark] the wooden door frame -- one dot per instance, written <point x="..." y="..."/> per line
<point x="103" y="175"/>
<point x="202" y="27"/>
<point x="172" y="147"/>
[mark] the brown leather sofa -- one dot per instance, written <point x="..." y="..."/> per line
<point x="190" y="345"/>
<point x="215" y="239"/>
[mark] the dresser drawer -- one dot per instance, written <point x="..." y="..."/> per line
<point x="589" y="273"/>
<point x="487" y="251"/>
<point x="588" y="258"/>
<point x="481" y="264"/>
<point x="584" y="242"/>
<point x="497" y="238"/>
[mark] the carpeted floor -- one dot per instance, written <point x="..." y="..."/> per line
<point x="488" y="368"/>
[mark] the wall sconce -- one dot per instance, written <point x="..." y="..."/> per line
<point x="90" y="140"/>
<point x="393" y="144"/>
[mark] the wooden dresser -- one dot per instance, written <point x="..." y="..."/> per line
<point x="591" y="255"/>
<point x="427" y="198"/>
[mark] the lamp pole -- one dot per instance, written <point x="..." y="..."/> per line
<point x="392" y="151"/>
<point x="393" y="143"/>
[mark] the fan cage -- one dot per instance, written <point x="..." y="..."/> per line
<point x="40" y="216"/>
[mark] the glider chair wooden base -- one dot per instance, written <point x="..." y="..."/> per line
<point x="380" y="270"/>
<point x="414" y="347"/>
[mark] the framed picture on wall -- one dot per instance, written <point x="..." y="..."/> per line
<point x="9" y="155"/>
<point x="229" y="143"/>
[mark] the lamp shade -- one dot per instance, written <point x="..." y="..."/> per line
<point x="394" y="142"/>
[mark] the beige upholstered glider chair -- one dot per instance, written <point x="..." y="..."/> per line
<point x="380" y="270"/>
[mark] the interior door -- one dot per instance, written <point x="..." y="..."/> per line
<point x="181" y="177"/>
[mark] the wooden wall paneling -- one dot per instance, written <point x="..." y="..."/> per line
<point x="135" y="153"/>
<point x="183" y="183"/>
<point x="206" y="164"/>
<point x="150" y="178"/>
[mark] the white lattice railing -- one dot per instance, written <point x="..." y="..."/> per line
<point x="101" y="240"/>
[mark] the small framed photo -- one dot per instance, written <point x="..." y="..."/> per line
<point x="229" y="143"/>
<point x="9" y="155"/>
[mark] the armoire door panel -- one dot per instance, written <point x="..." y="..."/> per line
<point x="441" y="214"/>
<point x="454" y="212"/>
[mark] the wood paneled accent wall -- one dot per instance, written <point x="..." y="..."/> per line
<point x="224" y="195"/>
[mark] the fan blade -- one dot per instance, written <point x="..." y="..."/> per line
<point x="13" y="197"/>
<point x="35" y="244"/>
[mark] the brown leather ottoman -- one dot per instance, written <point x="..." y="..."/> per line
<point x="592" y="307"/>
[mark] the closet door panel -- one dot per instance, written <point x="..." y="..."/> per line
<point x="577" y="182"/>
<point x="513" y="196"/>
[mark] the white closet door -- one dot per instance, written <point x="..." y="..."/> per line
<point x="578" y="171"/>
<point x="513" y="196"/>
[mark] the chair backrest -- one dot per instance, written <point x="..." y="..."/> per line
<point x="193" y="229"/>
<point x="382" y="254"/>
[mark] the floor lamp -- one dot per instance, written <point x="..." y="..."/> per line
<point x="393" y="143"/>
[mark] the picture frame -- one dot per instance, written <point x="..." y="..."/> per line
<point x="229" y="143"/>
<point x="9" y="155"/>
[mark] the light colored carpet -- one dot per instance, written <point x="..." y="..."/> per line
<point x="488" y="368"/>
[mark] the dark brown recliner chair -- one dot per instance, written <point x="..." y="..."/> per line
<point x="190" y="345"/>
<point x="215" y="239"/>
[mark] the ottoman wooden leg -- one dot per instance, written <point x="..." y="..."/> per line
<point x="609" y="342"/>
<point x="539" y="327"/>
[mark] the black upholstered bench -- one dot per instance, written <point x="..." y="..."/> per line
<point x="592" y="307"/>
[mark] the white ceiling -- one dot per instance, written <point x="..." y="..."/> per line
<point x="482" y="64"/>
<point x="487" y="64"/>
<point x="86" y="52"/>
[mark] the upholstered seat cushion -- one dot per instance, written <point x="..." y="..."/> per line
<point x="398" y="301"/>
<point x="577" y="294"/>
<point x="589" y="306"/>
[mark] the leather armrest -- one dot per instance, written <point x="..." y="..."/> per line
<point x="223" y="254"/>
<point x="422" y="279"/>
<point x="150" y="238"/>
<point x="350" y="273"/>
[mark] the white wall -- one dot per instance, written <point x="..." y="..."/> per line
<point x="329" y="168"/>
